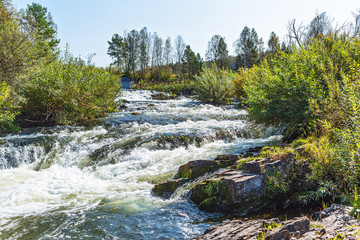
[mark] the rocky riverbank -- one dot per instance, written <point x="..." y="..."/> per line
<point x="254" y="182"/>
<point x="335" y="222"/>
<point x="236" y="183"/>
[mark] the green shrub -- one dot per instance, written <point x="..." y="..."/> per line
<point x="7" y="113"/>
<point x="215" y="85"/>
<point x="66" y="93"/>
<point x="302" y="89"/>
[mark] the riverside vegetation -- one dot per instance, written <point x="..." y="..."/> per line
<point x="38" y="86"/>
<point x="311" y="90"/>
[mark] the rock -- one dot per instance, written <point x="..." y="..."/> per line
<point x="167" y="188"/>
<point x="151" y="105"/>
<point x="257" y="229"/>
<point x="251" y="152"/>
<point x="135" y="113"/>
<point x="194" y="169"/>
<point x="241" y="191"/>
<point x="256" y="166"/>
<point x="231" y="191"/>
<point x="334" y="222"/>
<point x="227" y="157"/>
<point x="224" y="161"/>
<point x="123" y="107"/>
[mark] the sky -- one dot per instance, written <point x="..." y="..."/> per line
<point x="87" y="25"/>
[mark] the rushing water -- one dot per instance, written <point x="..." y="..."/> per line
<point x="95" y="182"/>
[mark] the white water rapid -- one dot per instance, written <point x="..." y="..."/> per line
<point x="95" y="182"/>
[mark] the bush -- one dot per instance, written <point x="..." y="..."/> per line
<point x="215" y="85"/>
<point x="303" y="89"/>
<point x="7" y="113"/>
<point x="239" y="81"/>
<point x="65" y="93"/>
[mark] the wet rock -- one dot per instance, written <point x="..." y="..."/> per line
<point x="194" y="169"/>
<point x="123" y="107"/>
<point x="242" y="191"/>
<point x="151" y="105"/>
<point x="167" y="188"/>
<point x="257" y="229"/>
<point x="135" y="113"/>
<point x="231" y="191"/>
<point x="251" y="152"/>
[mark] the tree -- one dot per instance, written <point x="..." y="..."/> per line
<point x="273" y="44"/>
<point x="217" y="51"/>
<point x="179" y="51"/>
<point x="319" y="26"/>
<point x="355" y="27"/>
<point x="117" y="50"/>
<point x="157" y="52"/>
<point x="37" y="16"/>
<point x="145" y="41"/>
<point x="132" y="41"/>
<point x="248" y="48"/>
<point x="191" y="63"/>
<point x="167" y="51"/>
<point x="20" y="47"/>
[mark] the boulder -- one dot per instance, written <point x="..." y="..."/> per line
<point x="242" y="191"/>
<point x="167" y="188"/>
<point x="194" y="169"/>
<point x="231" y="191"/>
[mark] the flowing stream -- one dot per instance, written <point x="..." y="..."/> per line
<point x="95" y="182"/>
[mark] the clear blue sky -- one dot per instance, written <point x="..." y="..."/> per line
<point x="87" y="25"/>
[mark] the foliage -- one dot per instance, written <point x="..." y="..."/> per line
<point x="192" y="63"/>
<point x="65" y="92"/>
<point x="215" y="85"/>
<point x="20" y="49"/>
<point x="248" y="48"/>
<point x="240" y="77"/>
<point x="37" y="17"/>
<point x="7" y="114"/>
<point x="304" y="88"/>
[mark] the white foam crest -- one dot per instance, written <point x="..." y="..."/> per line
<point x="11" y="156"/>
<point x="24" y="191"/>
<point x="136" y="95"/>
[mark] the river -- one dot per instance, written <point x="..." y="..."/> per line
<point x="95" y="182"/>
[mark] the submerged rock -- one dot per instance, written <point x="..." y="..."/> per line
<point x="167" y="188"/>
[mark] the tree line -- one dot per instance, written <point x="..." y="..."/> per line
<point x="145" y="55"/>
